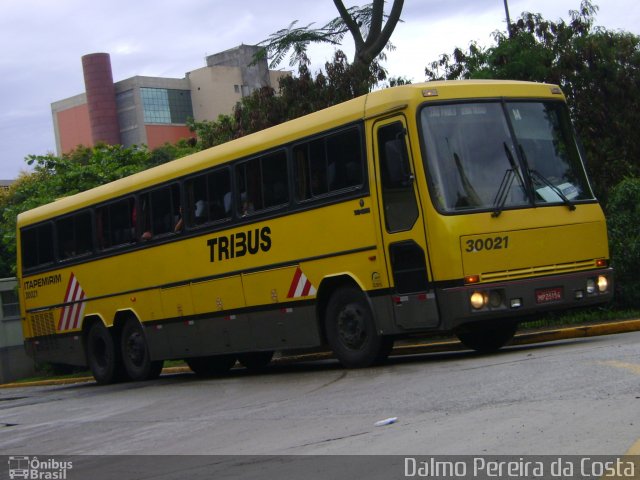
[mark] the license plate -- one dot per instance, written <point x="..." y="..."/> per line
<point x="546" y="295"/>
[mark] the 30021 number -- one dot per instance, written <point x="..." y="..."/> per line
<point x="491" y="243"/>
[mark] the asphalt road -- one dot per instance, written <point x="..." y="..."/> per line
<point x="569" y="397"/>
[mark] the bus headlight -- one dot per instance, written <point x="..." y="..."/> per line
<point x="591" y="286"/>
<point x="603" y="283"/>
<point x="478" y="300"/>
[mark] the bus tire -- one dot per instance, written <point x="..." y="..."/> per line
<point x="103" y="355"/>
<point x="255" y="360"/>
<point x="135" y="353"/>
<point x="487" y="338"/>
<point x="351" y="330"/>
<point x="211" y="366"/>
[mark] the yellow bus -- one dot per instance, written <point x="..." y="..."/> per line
<point x="457" y="207"/>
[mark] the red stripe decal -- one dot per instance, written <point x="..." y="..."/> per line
<point x="294" y="283"/>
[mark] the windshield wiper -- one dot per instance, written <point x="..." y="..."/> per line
<point x="534" y="174"/>
<point x="505" y="185"/>
<point x="503" y="192"/>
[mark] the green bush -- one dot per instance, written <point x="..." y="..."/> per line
<point x="623" y="220"/>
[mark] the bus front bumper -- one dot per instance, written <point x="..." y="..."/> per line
<point x="518" y="299"/>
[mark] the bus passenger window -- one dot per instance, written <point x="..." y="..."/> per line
<point x="344" y="160"/>
<point x="208" y="198"/>
<point x="115" y="224"/>
<point x="75" y="236"/>
<point x="274" y="177"/>
<point x="262" y="183"/>
<point x="37" y="246"/>
<point x="160" y="210"/>
<point x="318" y="168"/>
<point x="302" y="172"/>
<point x="329" y="164"/>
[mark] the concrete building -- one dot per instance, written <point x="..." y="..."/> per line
<point x="14" y="362"/>
<point x="5" y="184"/>
<point x="154" y="110"/>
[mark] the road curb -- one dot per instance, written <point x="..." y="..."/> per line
<point x="527" y="338"/>
<point x="524" y="338"/>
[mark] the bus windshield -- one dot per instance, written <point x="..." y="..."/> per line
<point x="496" y="155"/>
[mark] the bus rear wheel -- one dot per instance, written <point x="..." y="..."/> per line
<point x="135" y="353"/>
<point x="211" y="366"/>
<point x="255" y="360"/>
<point x="351" y="330"/>
<point x="103" y="355"/>
<point x="487" y="337"/>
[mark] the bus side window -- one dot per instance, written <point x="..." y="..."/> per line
<point x="262" y="183"/>
<point x="160" y="210"/>
<point x="318" y="168"/>
<point x="400" y="205"/>
<point x="115" y="223"/>
<point x="208" y="198"/>
<point x="75" y="235"/>
<point x="37" y="246"/>
<point x="275" y="179"/>
<point x="302" y="171"/>
<point x="344" y="155"/>
<point x="329" y="164"/>
<point x="310" y="169"/>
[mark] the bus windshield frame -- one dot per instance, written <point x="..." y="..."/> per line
<point x="499" y="154"/>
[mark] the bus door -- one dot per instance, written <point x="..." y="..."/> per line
<point x="402" y="226"/>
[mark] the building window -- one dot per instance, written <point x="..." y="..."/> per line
<point x="161" y="105"/>
<point x="10" y="307"/>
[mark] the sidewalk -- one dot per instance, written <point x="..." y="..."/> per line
<point x="409" y="348"/>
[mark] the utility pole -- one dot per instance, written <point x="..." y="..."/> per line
<point x="506" y="10"/>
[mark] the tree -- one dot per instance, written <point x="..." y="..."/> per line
<point x="623" y="218"/>
<point x="172" y="151"/>
<point x="55" y="177"/>
<point x="365" y="24"/>
<point x="598" y="70"/>
<point x="212" y="132"/>
<point x="297" y="96"/>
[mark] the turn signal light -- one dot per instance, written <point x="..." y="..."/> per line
<point x="472" y="279"/>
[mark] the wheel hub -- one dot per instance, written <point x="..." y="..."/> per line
<point x="351" y="327"/>
<point x="135" y="348"/>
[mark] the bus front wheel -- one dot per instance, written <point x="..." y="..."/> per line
<point x="135" y="353"/>
<point x="103" y="355"/>
<point x="351" y="330"/>
<point x="211" y="366"/>
<point x="487" y="337"/>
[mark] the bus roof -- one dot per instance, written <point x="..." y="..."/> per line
<point x="367" y="106"/>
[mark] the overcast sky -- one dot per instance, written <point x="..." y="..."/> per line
<point x="41" y="43"/>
